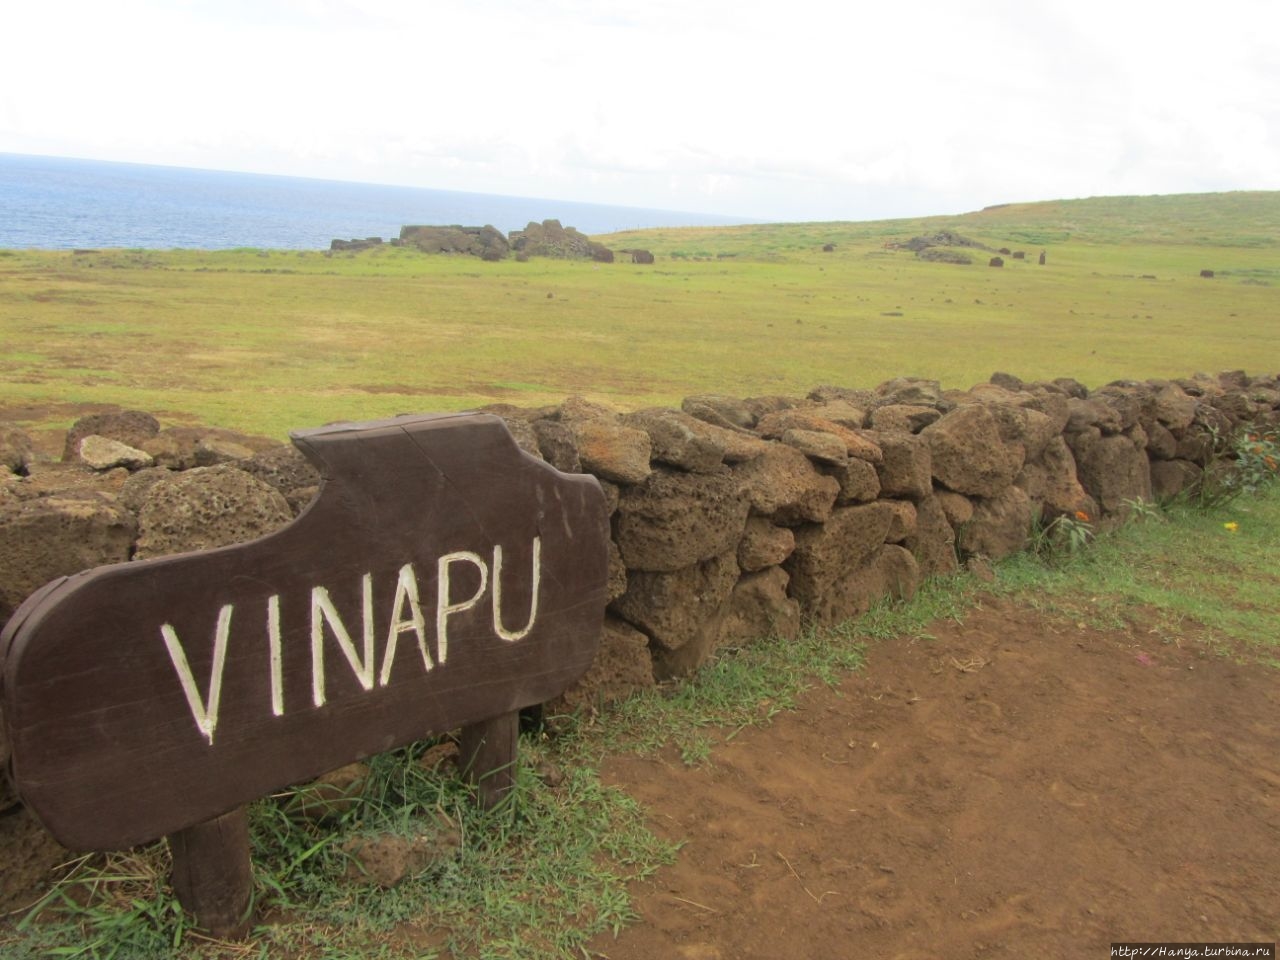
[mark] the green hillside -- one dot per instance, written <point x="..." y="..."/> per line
<point x="269" y="340"/>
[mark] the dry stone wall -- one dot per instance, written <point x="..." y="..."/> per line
<point x="733" y="518"/>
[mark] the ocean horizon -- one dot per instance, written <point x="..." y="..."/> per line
<point x="67" y="203"/>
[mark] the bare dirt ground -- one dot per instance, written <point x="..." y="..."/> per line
<point x="1013" y="788"/>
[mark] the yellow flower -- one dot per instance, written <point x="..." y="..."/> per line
<point x="1231" y="526"/>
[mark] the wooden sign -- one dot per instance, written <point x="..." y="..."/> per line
<point x="441" y="579"/>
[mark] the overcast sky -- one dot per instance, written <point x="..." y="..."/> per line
<point x="795" y="110"/>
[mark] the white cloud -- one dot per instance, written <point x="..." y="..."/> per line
<point x="798" y="110"/>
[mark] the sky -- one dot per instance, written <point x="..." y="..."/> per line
<point x="772" y="111"/>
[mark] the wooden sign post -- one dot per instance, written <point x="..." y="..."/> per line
<point x="442" y="579"/>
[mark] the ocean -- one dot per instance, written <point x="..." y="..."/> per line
<point x="61" y="203"/>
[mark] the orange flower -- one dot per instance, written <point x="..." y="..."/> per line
<point x="1270" y="462"/>
<point x="1082" y="516"/>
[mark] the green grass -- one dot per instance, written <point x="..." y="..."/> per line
<point x="1186" y="573"/>
<point x="266" y="341"/>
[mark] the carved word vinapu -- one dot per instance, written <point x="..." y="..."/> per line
<point x="406" y="617"/>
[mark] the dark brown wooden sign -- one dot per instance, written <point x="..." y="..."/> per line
<point x="441" y="579"/>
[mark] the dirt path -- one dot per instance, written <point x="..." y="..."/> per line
<point x="1013" y="788"/>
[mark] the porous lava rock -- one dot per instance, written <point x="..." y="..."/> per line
<point x="680" y="611"/>
<point x="999" y="526"/>
<point x="764" y="544"/>
<point x="53" y="536"/>
<point x="675" y="519"/>
<point x="130" y="427"/>
<point x="782" y="483"/>
<point x="621" y="667"/>
<point x="208" y="507"/>
<point x="826" y="554"/>
<point x="968" y="454"/>
<point x="760" y="607"/>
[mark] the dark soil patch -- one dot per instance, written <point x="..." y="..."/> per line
<point x="1013" y="788"/>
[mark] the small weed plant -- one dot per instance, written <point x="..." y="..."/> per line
<point x="1257" y="461"/>
<point x="1242" y="465"/>
<point x="1067" y="534"/>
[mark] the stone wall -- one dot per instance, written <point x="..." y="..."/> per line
<point x="732" y="518"/>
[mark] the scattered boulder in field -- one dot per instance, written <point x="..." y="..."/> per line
<point x="641" y="256"/>
<point x="473" y="241"/>
<point x="995" y="262"/>
<point x="1207" y="274"/>
<point x="387" y="859"/>
<point x="330" y="796"/>
<point x="550" y="239"/>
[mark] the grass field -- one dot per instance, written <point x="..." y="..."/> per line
<point x="265" y="341"/>
<point x="271" y="340"/>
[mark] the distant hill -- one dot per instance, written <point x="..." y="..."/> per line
<point x="1237" y="219"/>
